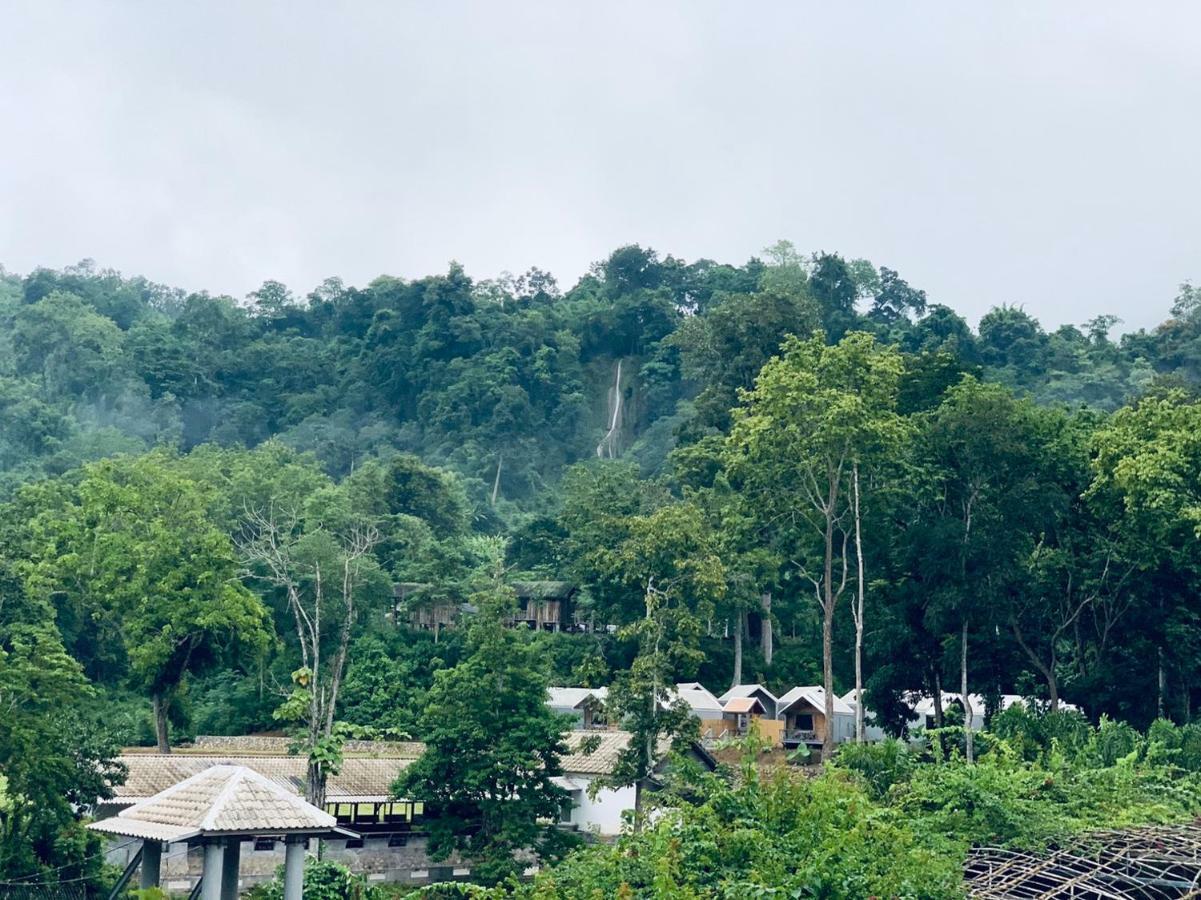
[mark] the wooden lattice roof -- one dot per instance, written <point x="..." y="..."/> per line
<point x="1151" y="863"/>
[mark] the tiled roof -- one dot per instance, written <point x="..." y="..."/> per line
<point x="220" y="799"/>
<point x="600" y="761"/>
<point x="361" y="779"/>
<point x="273" y="744"/>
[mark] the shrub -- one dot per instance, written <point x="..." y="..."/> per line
<point x="879" y="766"/>
<point x="323" y="880"/>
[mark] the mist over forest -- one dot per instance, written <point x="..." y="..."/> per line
<point x="517" y="374"/>
<point x="797" y="470"/>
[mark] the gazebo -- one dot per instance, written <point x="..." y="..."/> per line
<point x="218" y="808"/>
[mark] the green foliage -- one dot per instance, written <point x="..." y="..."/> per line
<point x="139" y="426"/>
<point x="879" y="765"/>
<point x="323" y="880"/>
<point x="55" y="757"/>
<point x="782" y="834"/>
<point x="130" y="548"/>
<point x="492" y="747"/>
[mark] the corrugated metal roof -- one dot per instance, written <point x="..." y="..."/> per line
<point x="699" y="698"/>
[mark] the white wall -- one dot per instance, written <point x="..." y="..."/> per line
<point x="601" y="815"/>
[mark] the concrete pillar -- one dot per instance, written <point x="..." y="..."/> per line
<point x="229" y="868"/>
<point x="294" y="868"/>
<point x="214" y="863"/>
<point x="152" y="861"/>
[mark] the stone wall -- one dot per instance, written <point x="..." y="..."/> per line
<point x="408" y="864"/>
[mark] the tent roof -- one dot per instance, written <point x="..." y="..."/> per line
<point x="574" y="698"/>
<point x="815" y="696"/>
<point x="747" y="690"/>
<point x="699" y="698"/>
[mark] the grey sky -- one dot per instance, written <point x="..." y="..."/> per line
<point x="1038" y="153"/>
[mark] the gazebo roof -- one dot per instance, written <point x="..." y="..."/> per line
<point x="220" y="800"/>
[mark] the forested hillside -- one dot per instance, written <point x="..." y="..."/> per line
<point x="796" y="470"/>
<point x="514" y="376"/>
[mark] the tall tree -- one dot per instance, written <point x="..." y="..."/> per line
<point x="54" y="762"/>
<point x="814" y="413"/>
<point x="671" y="554"/>
<point x="1147" y="478"/>
<point x="134" y="550"/>
<point x="326" y="575"/>
<point x="493" y="746"/>
<point x="989" y="455"/>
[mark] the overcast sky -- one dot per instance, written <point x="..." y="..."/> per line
<point x="1046" y="154"/>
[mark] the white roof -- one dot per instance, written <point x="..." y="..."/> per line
<point x="573" y="698"/>
<point x="747" y="690"/>
<point x="218" y="800"/>
<point x="923" y="704"/>
<point x="815" y="696"/>
<point x="698" y="698"/>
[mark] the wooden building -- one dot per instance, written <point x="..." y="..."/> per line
<point x="803" y="711"/>
<point x="545" y="605"/>
<point x="541" y="606"/>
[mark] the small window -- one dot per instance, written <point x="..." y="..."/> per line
<point x="565" y="809"/>
<point x="354" y="843"/>
<point x="804" y="722"/>
<point x="264" y="844"/>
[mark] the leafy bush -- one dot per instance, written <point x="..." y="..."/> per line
<point x="323" y="880"/>
<point x="782" y="834"/>
<point x="1033" y="735"/>
<point x="1112" y="741"/>
<point x="879" y="766"/>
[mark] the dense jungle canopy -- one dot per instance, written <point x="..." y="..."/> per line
<point x="785" y="471"/>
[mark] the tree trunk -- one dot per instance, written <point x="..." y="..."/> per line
<point x="738" y="648"/>
<point x="828" y="635"/>
<point x="500" y="459"/>
<point x="938" y="699"/>
<point x="859" y="609"/>
<point x="1161" y="683"/>
<point x="1047" y="671"/>
<point x="314" y="784"/>
<point x="828" y="680"/>
<point x="967" y="702"/>
<point x="765" y="632"/>
<point x="160" y="702"/>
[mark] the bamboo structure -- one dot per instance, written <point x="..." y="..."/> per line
<point x="1159" y="862"/>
